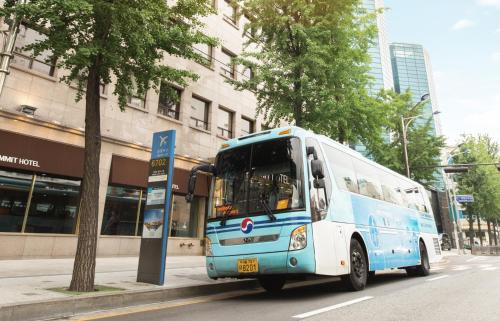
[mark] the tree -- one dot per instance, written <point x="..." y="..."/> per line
<point x="310" y="65"/>
<point x="100" y="41"/>
<point x="483" y="182"/>
<point x="424" y="147"/>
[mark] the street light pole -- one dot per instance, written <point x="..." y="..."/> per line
<point x="9" y="39"/>
<point x="405" y="122"/>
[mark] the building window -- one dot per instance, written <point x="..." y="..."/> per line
<point x="247" y="126"/>
<point x="247" y="73"/>
<point x="248" y="31"/>
<point x="225" y="123"/>
<point x="206" y="51"/>
<point x="43" y="63"/>
<point x="137" y="101"/>
<point x="38" y="203"/>
<point x="199" y="113"/>
<point x="170" y="101"/>
<point x="229" y="11"/>
<point x="228" y="68"/>
<point x="123" y="211"/>
<point x="185" y="216"/>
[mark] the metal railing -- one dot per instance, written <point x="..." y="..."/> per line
<point x="199" y="123"/>
<point x="168" y="111"/>
<point x="223" y="132"/>
<point x="33" y="63"/>
<point x="486" y="250"/>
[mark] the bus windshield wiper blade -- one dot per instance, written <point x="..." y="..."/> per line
<point x="226" y="214"/>
<point x="269" y="212"/>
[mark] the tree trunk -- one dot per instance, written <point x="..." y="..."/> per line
<point x="489" y="232"/>
<point x="495" y="237"/>
<point x="84" y="266"/>
<point x="471" y="230"/>
<point x="479" y="230"/>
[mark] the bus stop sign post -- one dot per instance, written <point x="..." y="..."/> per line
<point x="153" y="252"/>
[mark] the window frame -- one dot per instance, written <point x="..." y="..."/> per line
<point x="205" y="121"/>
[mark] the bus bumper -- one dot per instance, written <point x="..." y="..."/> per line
<point x="286" y="262"/>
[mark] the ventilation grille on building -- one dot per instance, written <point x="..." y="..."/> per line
<point x="437" y="248"/>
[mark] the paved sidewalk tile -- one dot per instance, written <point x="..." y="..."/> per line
<point x="28" y="280"/>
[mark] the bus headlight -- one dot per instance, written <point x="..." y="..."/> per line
<point x="298" y="239"/>
<point x="208" y="247"/>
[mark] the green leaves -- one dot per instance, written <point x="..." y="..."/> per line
<point x="424" y="147"/>
<point x="310" y="61"/>
<point x="481" y="181"/>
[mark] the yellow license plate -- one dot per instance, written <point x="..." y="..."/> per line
<point x="248" y="266"/>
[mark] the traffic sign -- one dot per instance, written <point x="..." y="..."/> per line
<point x="464" y="198"/>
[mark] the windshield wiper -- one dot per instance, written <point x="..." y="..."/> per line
<point x="266" y="207"/>
<point x="226" y="214"/>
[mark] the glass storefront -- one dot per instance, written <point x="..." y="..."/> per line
<point x="38" y="203"/>
<point x="185" y="216"/>
<point x="123" y="215"/>
<point x="123" y="207"/>
<point x="14" y="194"/>
<point x="54" y="206"/>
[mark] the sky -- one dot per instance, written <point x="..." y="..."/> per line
<point x="463" y="41"/>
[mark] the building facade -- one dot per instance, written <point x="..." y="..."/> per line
<point x="42" y="141"/>
<point x="412" y="70"/>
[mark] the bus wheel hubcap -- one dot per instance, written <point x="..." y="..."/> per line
<point x="357" y="264"/>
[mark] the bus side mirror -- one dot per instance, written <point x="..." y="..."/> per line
<point x="310" y="150"/>
<point x="192" y="179"/>
<point x="317" y="169"/>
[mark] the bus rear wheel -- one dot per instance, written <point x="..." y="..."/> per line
<point x="272" y="283"/>
<point x="356" y="280"/>
<point x="424" y="268"/>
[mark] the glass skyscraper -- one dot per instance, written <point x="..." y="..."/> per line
<point x="412" y="70"/>
<point x="380" y="65"/>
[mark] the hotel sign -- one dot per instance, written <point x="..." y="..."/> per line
<point x="19" y="160"/>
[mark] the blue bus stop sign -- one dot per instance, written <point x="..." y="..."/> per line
<point x="464" y="198"/>
<point x="153" y="251"/>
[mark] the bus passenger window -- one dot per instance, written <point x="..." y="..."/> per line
<point x="342" y="169"/>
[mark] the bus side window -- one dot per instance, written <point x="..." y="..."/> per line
<point x="342" y="169"/>
<point x="320" y="197"/>
<point x="369" y="184"/>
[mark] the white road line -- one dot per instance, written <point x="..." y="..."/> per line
<point x="493" y="268"/>
<point x="460" y="268"/>
<point x="482" y="266"/>
<point x="480" y="258"/>
<point x="332" y="307"/>
<point x="437" y="268"/>
<point x="438" y="278"/>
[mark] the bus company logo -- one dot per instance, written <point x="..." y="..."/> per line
<point x="246" y="225"/>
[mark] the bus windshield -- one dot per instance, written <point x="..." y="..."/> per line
<point x="253" y="177"/>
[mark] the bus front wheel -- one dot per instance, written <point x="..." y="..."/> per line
<point x="356" y="280"/>
<point x="272" y="283"/>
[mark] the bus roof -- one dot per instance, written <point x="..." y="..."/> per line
<point x="302" y="133"/>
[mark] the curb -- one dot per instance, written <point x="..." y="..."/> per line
<point x="58" y="308"/>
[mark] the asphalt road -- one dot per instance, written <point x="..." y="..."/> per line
<point x="459" y="288"/>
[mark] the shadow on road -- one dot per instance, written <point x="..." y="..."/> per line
<point x="321" y="290"/>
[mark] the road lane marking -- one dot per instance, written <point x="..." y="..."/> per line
<point x="477" y="258"/>
<point x="482" y="266"/>
<point x="460" y="268"/>
<point x="437" y="268"/>
<point x="332" y="307"/>
<point x="438" y="278"/>
<point x="492" y="268"/>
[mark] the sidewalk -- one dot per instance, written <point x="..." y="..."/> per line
<point x="24" y="282"/>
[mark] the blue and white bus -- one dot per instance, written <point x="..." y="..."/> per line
<point x="287" y="202"/>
